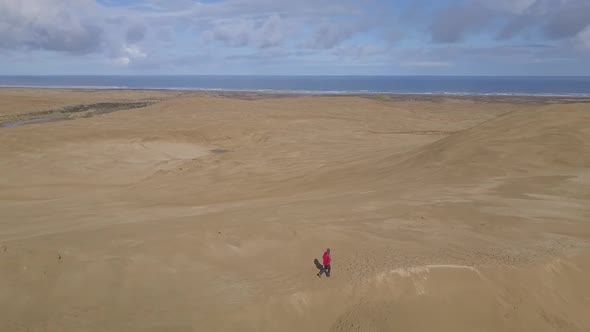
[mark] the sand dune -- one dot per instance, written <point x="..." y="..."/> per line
<point x="516" y="143"/>
<point x="205" y="213"/>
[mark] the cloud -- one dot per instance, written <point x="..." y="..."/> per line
<point x="264" y="55"/>
<point x="125" y="32"/>
<point x="165" y="34"/>
<point x="551" y="19"/>
<point x="72" y="27"/>
<point x="266" y="23"/>
<point x="58" y="25"/>
<point x="292" y="9"/>
<point x="555" y="19"/>
<point x="171" y="4"/>
<point x="261" y="33"/>
<point x="358" y="52"/>
<point x="508" y="6"/>
<point x="135" y="33"/>
<point x="331" y="34"/>
<point x="570" y="18"/>
<point x="426" y="63"/>
<point x="127" y="55"/>
<point x="393" y="35"/>
<point x="582" y="40"/>
<point x="493" y="56"/>
<point x="450" y="25"/>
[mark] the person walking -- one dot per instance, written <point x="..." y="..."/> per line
<point x="327" y="260"/>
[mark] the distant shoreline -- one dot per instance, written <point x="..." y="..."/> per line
<point x="259" y="94"/>
<point x="568" y="87"/>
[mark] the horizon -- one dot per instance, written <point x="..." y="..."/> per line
<point x="503" y="38"/>
<point x="289" y="75"/>
<point x="416" y="84"/>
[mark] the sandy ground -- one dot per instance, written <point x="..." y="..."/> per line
<point x="205" y="213"/>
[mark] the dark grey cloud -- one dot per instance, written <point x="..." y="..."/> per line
<point x="451" y="25"/>
<point x="87" y="39"/>
<point x="554" y="19"/>
<point x="393" y="35"/>
<point x="570" y="18"/>
<point x="582" y="42"/>
<point x="515" y="27"/>
<point x="331" y="34"/>
<point x="165" y="34"/>
<point x="135" y="33"/>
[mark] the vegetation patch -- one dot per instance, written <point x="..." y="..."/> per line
<point x="70" y="112"/>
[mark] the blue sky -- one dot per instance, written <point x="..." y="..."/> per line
<point x="304" y="37"/>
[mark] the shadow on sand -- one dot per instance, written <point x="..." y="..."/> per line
<point x="318" y="265"/>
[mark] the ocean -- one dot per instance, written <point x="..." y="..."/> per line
<point x="459" y="85"/>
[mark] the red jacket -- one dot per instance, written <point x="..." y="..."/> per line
<point x="327" y="258"/>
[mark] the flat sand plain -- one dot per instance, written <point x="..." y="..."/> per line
<point x="205" y="211"/>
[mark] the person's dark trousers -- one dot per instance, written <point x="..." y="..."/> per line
<point x="326" y="270"/>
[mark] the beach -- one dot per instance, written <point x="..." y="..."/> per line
<point x="138" y="210"/>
